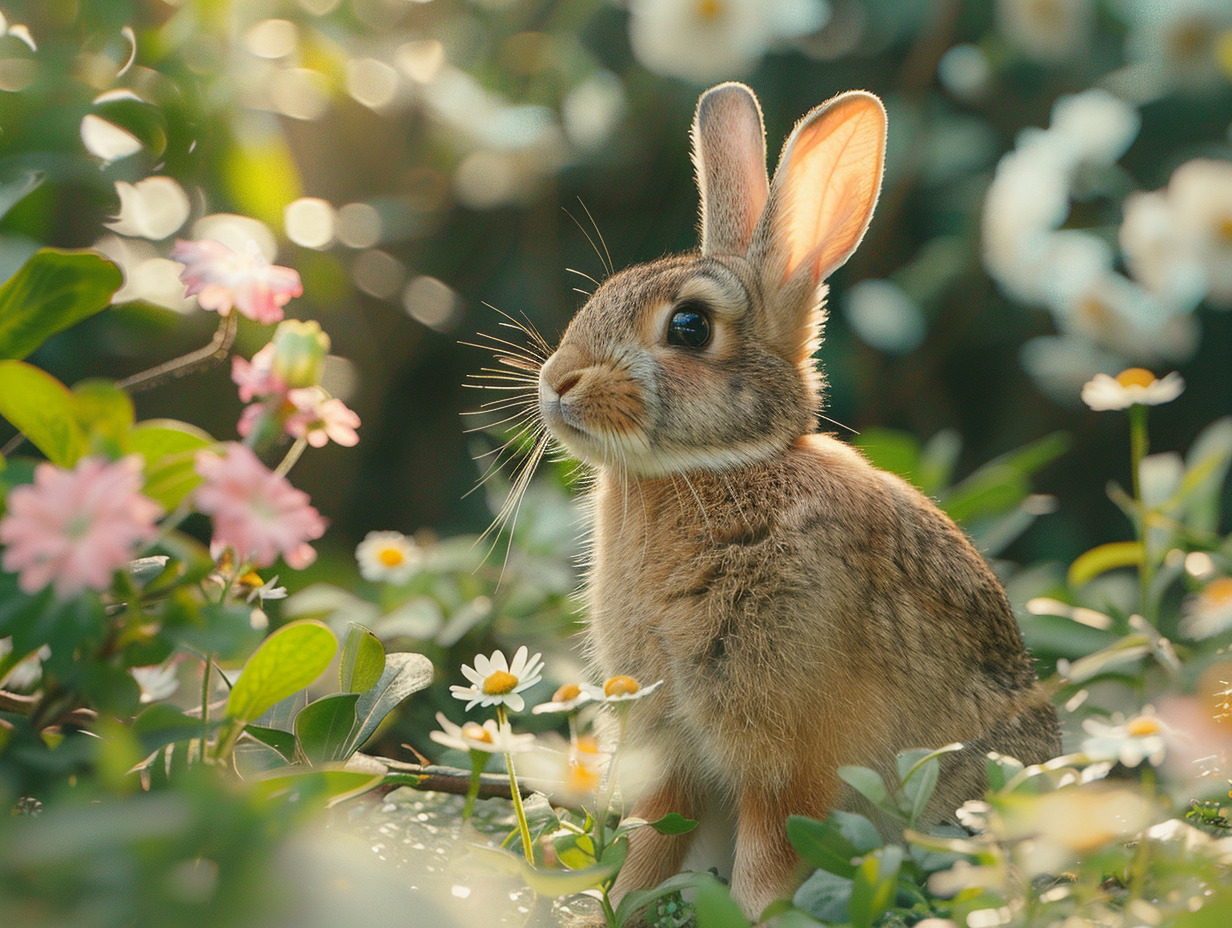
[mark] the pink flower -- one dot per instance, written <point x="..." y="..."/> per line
<point x="222" y="279"/>
<point x="76" y="528"/>
<point x="320" y="419"/>
<point x="256" y="512"/>
<point x="256" y="377"/>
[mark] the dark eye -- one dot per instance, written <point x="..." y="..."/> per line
<point x="689" y="326"/>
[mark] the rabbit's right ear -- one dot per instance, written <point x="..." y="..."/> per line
<point x="729" y="155"/>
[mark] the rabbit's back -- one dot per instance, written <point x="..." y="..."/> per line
<point x="809" y="609"/>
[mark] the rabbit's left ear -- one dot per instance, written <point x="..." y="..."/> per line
<point x="824" y="191"/>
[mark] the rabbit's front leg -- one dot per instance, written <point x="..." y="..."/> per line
<point x="766" y="866"/>
<point x="654" y="857"/>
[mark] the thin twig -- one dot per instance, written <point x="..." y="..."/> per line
<point x="218" y="348"/>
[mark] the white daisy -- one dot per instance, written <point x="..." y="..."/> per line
<point x="490" y="737"/>
<point x="568" y="697"/>
<point x="494" y="681"/>
<point x="1141" y="738"/>
<point x="388" y="557"/>
<point x="1131" y="387"/>
<point x="620" y="689"/>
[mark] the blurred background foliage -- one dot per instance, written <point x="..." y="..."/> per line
<point x="418" y="160"/>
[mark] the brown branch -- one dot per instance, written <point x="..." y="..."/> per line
<point x="28" y="705"/>
<point x="453" y="779"/>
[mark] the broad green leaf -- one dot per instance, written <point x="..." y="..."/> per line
<point x="14" y="189"/>
<point x="715" y="907"/>
<point x="919" y="788"/>
<point x="674" y="824"/>
<point x="1101" y="559"/>
<point x="281" y="741"/>
<point x="363" y="660"/>
<point x="286" y="662"/>
<point x="42" y="409"/>
<point x="51" y="292"/>
<point x="323" y="727"/>
<point x="826" y="896"/>
<point x="859" y="831"/>
<point x="162" y="724"/>
<point x="866" y="782"/>
<point x="937" y="461"/>
<point x="875" y="885"/>
<point x="1130" y="648"/>
<point x="990" y="491"/>
<point x="316" y="787"/>
<point x="547" y="882"/>
<point x="405" y="673"/>
<point x="821" y="845"/>
<point x="105" y="414"/>
<point x="169" y="448"/>
<point x="577" y="852"/>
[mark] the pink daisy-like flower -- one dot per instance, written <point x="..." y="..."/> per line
<point x="75" y="528"/>
<point x="321" y="419"/>
<point x="222" y="280"/>
<point x="256" y="377"/>
<point x="256" y="513"/>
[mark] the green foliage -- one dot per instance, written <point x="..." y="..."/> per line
<point x="53" y="291"/>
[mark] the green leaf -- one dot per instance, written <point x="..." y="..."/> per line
<point x="105" y="414"/>
<point x="547" y="882"/>
<point x="405" y="673"/>
<point x="674" y="824"/>
<point x="875" y="885"/>
<point x="637" y="900"/>
<point x="867" y="783"/>
<point x="281" y="741"/>
<point x="821" y="845"/>
<point x="323" y="727"/>
<point x="51" y="292"/>
<point x="14" y="189"/>
<point x="577" y="852"/>
<point x="1103" y="558"/>
<point x="286" y="662"/>
<point x="715" y="907"/>
<point x="895" y="451"/>
<point x="316" y="787"/>
<point x="42" y="409"/>
<point x="169" y="448"/>
<point x="162" y="724"/>
<point x="363" y="660"/>
<point x="826" y="896"/>
<point x="938" y="460"/>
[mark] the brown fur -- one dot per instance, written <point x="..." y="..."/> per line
<point x="804" y="609"/>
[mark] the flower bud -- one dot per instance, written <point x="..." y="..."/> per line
<point x="300" y="348"/>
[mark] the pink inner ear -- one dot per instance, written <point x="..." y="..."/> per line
<point x="833" y="178"/>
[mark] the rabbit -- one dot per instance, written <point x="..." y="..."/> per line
<point x="804" y="609"/>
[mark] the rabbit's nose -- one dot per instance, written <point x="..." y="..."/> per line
<point x="567" y="383"/>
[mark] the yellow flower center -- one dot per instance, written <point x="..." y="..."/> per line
<point x="498" y="683"/>
<point x="1142" y="726"/>
<point x="709" y="10"/>
<point x="620" y="686"/>
<point x="476" y="732"/>
<point x="1218" y="592"/>
<point x="1223" y="228"/>
<point x="587" y="744"/>
<point x="391" y="557"/>
<point x="1135" y="377"/>
<point x="567" y="692"/>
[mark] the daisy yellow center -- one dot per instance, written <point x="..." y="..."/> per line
<point x="1135" y="377"/>
<point x="567" y="692"/>
<point x="476" y="732"/>
<point x="1142" y="726"/>
<point x="620" y="686"/>
<point x="498" y="683"/>
<point x="391" y="557"/>
<point x="709" y="10"/>
<point x="1219" y="592"/>
<point x="587" y="744"/>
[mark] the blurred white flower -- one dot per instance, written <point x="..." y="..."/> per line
<point x="708" y="40"/>
<point x="1174" y="44"/>
<point x="1201" y="195"/>
<point x="1116" y="312"/>
<point x="965" y="71"/>
<point x="1046" y="30"/>
<point x="153" y="208"/>
<point x="884" y="316"/>
<point x="1100" y="126"/>
<point x="1142" y="738"/>
<point x="1155" y="254"/>
<point x="489" y="737"/>
<point x="591" y="110"/>
<point x="387" y="557"/>
<point x="1051" y="831"/>
<point x="1061" y="364"/>
<point x="158" y="681"/>
<point x="1209" y="612"/>
<point x="1131" y="387"/>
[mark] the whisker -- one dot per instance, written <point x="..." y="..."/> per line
<point x="611" y="268"/>
<point x="573" y="270"/>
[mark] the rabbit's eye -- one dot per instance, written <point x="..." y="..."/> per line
<point x="689" y="326"/>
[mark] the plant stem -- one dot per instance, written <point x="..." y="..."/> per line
<point x="527" y="847"/>
<point x="479" y="760"/>
<point x="291" y="457"/>
<point x="1138" y="445"/>
<point x="608" y="792"/>
<point x="216" y="350"/>
<point x="205" y="702"/>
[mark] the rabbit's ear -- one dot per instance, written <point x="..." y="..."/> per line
<point x="824" y="190"/>
<point x="729" y="154"/>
